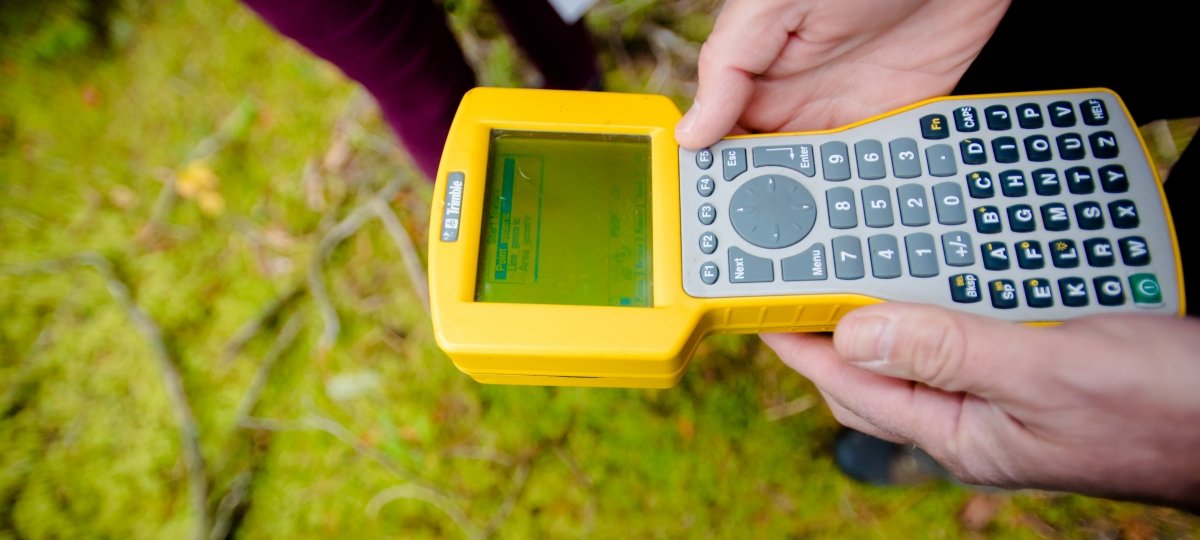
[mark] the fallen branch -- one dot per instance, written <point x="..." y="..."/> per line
<point x="235" y="499"/>
<point x="23" y="386"/>
<point x="163" y="205"/>
<point x="791" y="408"/>
<point x="172" y="380"/>
<point x="589" y="509"/>
<point x="666" y="46"/>
<point x="413" y="488"/>
<point x="255" y="325"/>
<point x="516" y="488"/>
<point x="283" y="341"/>
<point x="413" y="491"/>
<point x="327" y="425"/>
<point x="479" y="453"/>
<point x="230" y="503"/>
<point x="316" y="278"/>
<point x="408" y="250"/>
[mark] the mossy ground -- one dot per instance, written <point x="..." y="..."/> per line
<point x="103" y="104"/>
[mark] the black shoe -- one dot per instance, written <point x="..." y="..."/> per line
<point x="872" y="460"/>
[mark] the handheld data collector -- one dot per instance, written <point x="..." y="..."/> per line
<point x="573" y="242"/>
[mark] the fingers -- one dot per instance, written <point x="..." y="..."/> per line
<point x="813" y="356"/>
<point x="951" y="351"/>
<point x="888" y="408"/>
<point x="748" y="38"/>
<point x="728" y="89"/>
<point x="852" y="420"/>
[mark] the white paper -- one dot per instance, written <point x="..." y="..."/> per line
<point x="571" y="10"/>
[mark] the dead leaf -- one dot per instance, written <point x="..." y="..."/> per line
<point x="122" y="197"/>
<point x="211" y="203"/>
<point x="278" y="237"/>
<point x="195" y="177"/>
<point x="314" y="186"/>
<point x="348" y="386"/>
<point x="338" y="153"/>
<point x="687" y="428"/>
<point x="1136" y="528"/>
<point x="979" y="512"/>
<point x="91" y="96"/>
<point x="197" y="182"/>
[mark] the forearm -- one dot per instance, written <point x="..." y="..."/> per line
<point x="402" y="52"/>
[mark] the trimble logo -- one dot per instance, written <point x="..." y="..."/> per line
<point x="454" y="194"/>
<point x="454" y="197"/>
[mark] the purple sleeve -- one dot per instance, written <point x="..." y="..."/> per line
<point x="402" y="52"/>
<point x="564" y="54"/>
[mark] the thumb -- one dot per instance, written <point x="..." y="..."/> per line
<point x="947" y="350"/>
<point x="748" y="37"/>
<point x="721" y="97"/>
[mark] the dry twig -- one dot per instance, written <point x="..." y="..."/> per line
<point x="332" y="427"/>
<point x="413" y="488"/>
<point x="283" y="341"/>
<point x="339" y="232"/>
<point x="233" y="499"/>
<point x="413" y="491"/>
<point x="408" y="250"/>
<point x="515" y="489"/>
<point x="23" y="384"/>
<point x="589" y="509"/>
<point x="479" y="453"/>
<point x="668" y="48"/>
<point x="791" y="408"/>
<point x="188" y="430"/>
<point x="255" y="325"/>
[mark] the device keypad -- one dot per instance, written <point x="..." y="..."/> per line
<point x="1057" y="220"/>
<point x="733" y="162"/>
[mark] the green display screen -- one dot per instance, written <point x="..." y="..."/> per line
<point x="566" y="220"/>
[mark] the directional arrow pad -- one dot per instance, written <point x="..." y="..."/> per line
<point x="772" y="211"/>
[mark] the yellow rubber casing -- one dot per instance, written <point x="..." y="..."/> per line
<point x="584" y="345"/>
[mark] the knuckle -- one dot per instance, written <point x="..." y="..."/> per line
<point x="977" y="471"/>
<point x="967" y="474"/>
<point x="977" y="458"/>
<point x="707" y="59"/>
<point x="936" y="352"/>
<point x="843" y="416"/>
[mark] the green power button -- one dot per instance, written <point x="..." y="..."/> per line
<point x="1146" y="290"/>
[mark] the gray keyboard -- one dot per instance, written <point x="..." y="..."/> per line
<point x="1028" y="207"/>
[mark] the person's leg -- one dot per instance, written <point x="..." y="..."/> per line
<point x="874" y="461"/>
<point x="563" y="53"/>
<point x="401" y="51"/>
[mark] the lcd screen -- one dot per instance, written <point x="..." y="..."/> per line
<point x="566" y="220"/>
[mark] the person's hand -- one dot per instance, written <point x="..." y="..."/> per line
<point x="1102" y="405"/>
<point x="790" y="65"/>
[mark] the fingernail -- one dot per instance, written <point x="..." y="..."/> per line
<point x="870" y="342"/>
<point x="873" y="365"/>
<point x="689" y="120"/>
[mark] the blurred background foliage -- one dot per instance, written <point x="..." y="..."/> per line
<point x="211" y="330"/>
